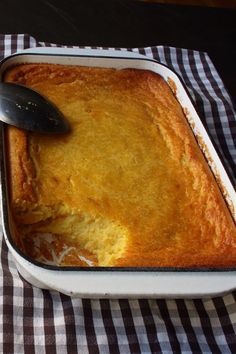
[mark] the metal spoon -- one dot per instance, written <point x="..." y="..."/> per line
<point x="27" y="109"/>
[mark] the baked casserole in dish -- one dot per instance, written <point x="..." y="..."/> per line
<point x="128" y="186"/>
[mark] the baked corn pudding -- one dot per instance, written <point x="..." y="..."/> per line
<point x="127" y="187"/>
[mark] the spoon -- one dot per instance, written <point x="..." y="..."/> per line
<point x="27" y="109"/>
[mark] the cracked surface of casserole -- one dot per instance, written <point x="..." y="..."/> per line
<point x="128" y="186"/>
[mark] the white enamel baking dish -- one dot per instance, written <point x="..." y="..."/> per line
<point x="126" y="283"/>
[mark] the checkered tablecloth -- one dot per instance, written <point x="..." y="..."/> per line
<point x="39" y="321"/>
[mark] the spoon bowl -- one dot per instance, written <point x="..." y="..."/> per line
<point x="27" y="109"/>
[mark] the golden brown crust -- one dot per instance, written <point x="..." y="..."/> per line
<point x="21" y="168"/>
<point x="129" y="178"/>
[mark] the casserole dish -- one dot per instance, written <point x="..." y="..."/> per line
<point x="105" y="275"/>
